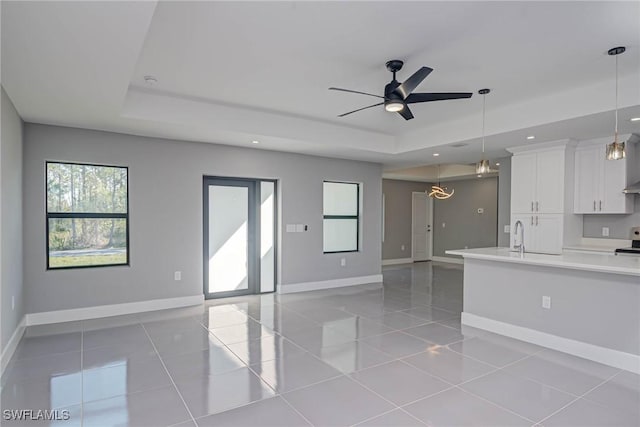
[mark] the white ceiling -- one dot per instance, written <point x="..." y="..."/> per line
<point x="232" y="72"/>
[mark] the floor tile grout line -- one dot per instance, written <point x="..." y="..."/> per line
<point x="496" y="405"/>
<point x="582" y="396"/>
<point x="412" y="416"/>
<point x="169" y="374"/>
<point x="524" y="378"/>
<point x="296" y="410"/>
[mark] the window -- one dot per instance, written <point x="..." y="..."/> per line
<point x="341" y="216"/>
<point x="87" y="215"/>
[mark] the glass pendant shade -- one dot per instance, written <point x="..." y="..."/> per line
<point x="483" y="167"/>
<point x="615" y="151"/>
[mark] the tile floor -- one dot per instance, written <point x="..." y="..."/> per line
<point x="367" y="356"/>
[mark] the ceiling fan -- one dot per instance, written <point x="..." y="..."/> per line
<point x="398" y="95"/>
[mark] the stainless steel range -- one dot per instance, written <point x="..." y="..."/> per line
<point x="635" y="243"/>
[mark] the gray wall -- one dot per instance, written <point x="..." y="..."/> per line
<point x="397" y="216"/>
<point x="10" y="220"/>
<point x="504" y="200"/>
<point x="165" y="197"/>
<point x="464" y="226"/>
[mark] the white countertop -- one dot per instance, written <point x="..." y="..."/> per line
<point x="600" y="262"/>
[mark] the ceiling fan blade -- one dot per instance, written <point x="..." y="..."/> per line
<point x="406" y="113"/>
<point x="426" y="97"/>
<point x="355" y="91"/>
<point x="412" y="82"/>
<point x="360" y="109"/>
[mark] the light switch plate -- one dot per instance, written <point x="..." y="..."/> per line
<point x="507" y="228"/>
<point x="299" y="228"/>
<point x="291" y="228"/>
<point x="605" y="231"/>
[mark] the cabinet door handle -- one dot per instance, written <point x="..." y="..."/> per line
<point x="531" y="219"/>
<point x="600" y="204"/>
<point x="536" y="206"/>
<point x="536" y="219"/>
<point x="531" y="206"/>
<point x="594" y="205"/>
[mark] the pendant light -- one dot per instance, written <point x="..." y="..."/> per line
<point x="615" y="150"/>
<point x="482" y="166"/>
<point x="439" y="192"/>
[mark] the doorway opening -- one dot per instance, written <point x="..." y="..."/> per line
<point x="421" y="227"/>
<point x="239" y="236"/>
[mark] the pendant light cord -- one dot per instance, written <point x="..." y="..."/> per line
<point x="616" y="130"/>
<point x="484" y="100"/>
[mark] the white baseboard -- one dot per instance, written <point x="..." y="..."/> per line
<point x="98" y="311"/>
<point x="12" y="344"/>
<point x="328" y="284"/>
<point x="397" y="261"/>
<point x="607" y="356"/>
<point x="447" y="259"/>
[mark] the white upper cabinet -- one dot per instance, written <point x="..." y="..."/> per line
<point x="599" y="182"/>
<point x="537" y="182"/>
<point x="541" y="195"/>
<point x="523" y="183"/>
<point x="550" y="182"/>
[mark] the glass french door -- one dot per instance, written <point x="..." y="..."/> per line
<point x="239" y="237"/>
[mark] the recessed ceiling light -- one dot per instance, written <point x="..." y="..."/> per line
<point x="436" y="154"/>
<point x="497" y="164"/>
<point x="531" y="137"/>
<point x="255" y="142"/>
<point x="150" y="80"/>
<point x="634" y="119"/>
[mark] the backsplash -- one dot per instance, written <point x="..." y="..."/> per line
<point x="619" y="225"/>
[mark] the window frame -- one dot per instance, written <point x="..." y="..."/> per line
<point x="85" y="215"/>
<point x="357" y="216"/>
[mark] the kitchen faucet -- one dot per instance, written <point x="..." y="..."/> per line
<point x="519" y="247"/>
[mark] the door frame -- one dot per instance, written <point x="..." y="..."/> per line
<point x="429" y="224"/>
<point x="253" y="231"/>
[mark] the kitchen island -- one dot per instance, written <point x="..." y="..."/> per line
<point x="586" y="304"/>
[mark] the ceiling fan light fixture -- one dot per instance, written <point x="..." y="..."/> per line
<point x="615" y="150"/>
<point x="394" y="105"/>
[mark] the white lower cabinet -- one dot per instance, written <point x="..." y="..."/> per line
<point x="542" y="232"/>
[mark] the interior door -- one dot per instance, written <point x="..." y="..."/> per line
<point x="421" y="244"/>
<point x="230" y="227"/>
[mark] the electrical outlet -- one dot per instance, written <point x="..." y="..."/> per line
<point x="402" y="247"/>
<point x="507" y="228"/>
<point x="177" y="276"/>
<point x="343" y="262"/>
<point x="546" y="302"/>
<point x="605" y="231"/>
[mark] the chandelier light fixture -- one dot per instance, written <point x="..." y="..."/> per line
<point x="615" y="150"/>
<point x="482" y="166"/>
<point x="438" y="191"/>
